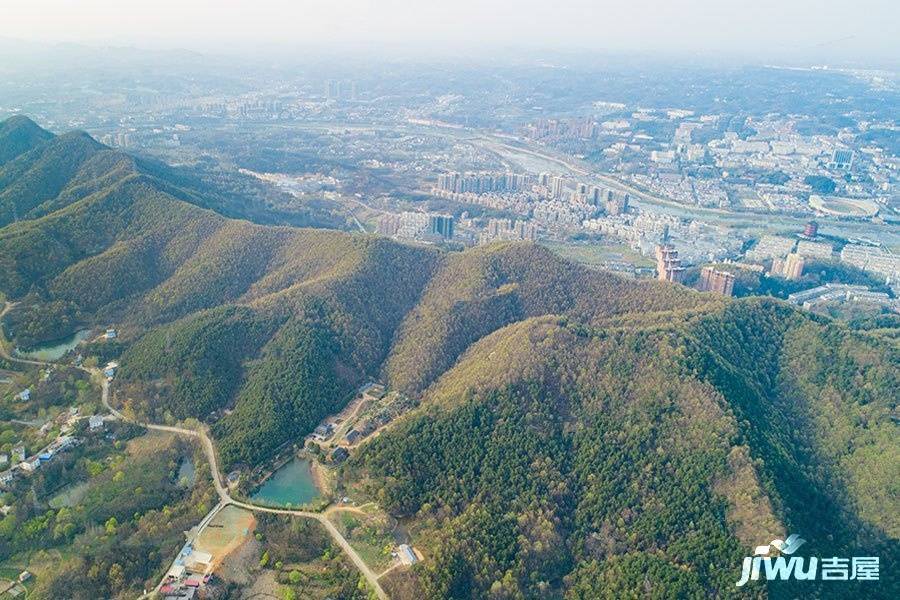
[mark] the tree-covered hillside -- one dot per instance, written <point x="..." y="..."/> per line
<point x="19" y="134"/>
<point x="559" y="459"/>
<point x="479" y="291"/>
<point x="575" y="434"/>
<point x="277" y="323"/>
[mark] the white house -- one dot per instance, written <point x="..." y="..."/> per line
<point x="30" y="465"/>
<point x="110" y="370"/>
<point x="407" y="556"/>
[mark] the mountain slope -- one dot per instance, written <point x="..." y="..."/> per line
<point x="481" y="290"/>
<point x="575" y="434"/>
<point x="40" y="175"/>
<point x="558" y="459"/>
<point x="19" y="135"/>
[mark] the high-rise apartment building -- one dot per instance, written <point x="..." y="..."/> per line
<point x="441" y="226"/>
<point x="483" y="183"/>
<point x="557" y="184"/>
<point x="790" y="267"/>
<point x="668" y="265"/>
<point x="713" y="280"/>
<point x="616" y="203"/>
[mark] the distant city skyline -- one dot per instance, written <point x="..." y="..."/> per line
<point x="867" y="30"/>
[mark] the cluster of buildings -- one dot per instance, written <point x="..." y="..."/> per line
<point x="838" y="292"/>
<point x="468" y="187"/>
<point x="336" y="89"/>
<point x="122" y="139"/>
<point x="520" y="202"/>
<point x="372" y="409"/>
<point x="696" y="241"/>
<point x="543" y="201"/>
<point x="418" y="226"/>
<point x="190" y="571"/>
<point x="668" y="265"/>
<point x="561" y="214"/>
<point x="788" y="255"/>
<point x="790" y="267"/>
<point x="714" y="280"/>
<point x="507" y="230"/>
<point x="23" y="466"/>
<point x="580" y="128"/>
<point x="19" y="464"/>
<point x="759" y="163"/>
<point x="874" y="260"/>
<point x="482" y="183"/>
<point x="769" y="247"/>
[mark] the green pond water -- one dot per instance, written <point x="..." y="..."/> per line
<point x="56" y="350"/>
<point x="291" y="484"/>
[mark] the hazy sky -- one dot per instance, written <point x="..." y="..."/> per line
<point x="753" y="29"/>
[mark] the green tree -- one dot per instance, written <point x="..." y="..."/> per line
<point x="111" y="525"/>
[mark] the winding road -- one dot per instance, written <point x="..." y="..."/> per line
<point x="221" y="490"/>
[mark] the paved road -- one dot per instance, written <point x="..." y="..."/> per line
<point x="224" y="496"/>
<point x="370" y="575"/>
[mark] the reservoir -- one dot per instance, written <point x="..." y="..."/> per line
<point x="55" y="350"/>
<point x="292" y="484"/>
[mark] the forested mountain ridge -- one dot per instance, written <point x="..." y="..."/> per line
<point x="45" y="175"/>
<point x="481" y="290"/>
<point x="228" y="305"/>
<point x="563" y="459"/>
<point x="577" y="435"/>
<point x="18" y="135"/>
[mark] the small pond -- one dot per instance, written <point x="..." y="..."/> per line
<point x="291" y="484"/>
<point x="55" y="350"/>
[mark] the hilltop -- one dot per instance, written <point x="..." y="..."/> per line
<point x="19" y="134"/>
